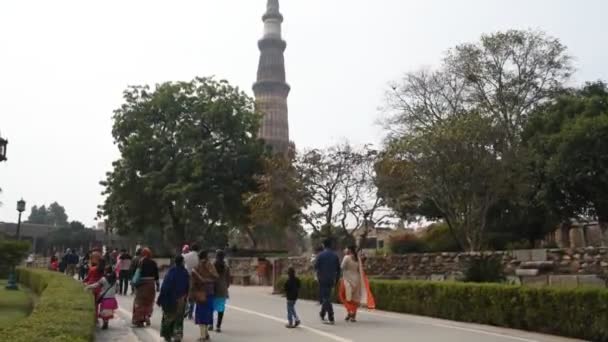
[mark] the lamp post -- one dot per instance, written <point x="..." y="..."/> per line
<point x="3" y="144"/>
<point x="20" y="209"/>
<point x="12" y="280"/>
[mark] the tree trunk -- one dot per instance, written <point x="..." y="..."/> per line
<point x="603" y="228"/>
<point x="179" y="228"/>
<point x="251" y="236"/>
<point x="565" y="235"/>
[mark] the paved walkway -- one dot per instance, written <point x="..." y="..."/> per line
<point x="255" y="315"/>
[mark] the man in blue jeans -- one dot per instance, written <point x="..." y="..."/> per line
<point x="327" y="266"/>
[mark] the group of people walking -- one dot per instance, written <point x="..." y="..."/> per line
<point x="348" y="276"/>
<point x="195" y="287"/>
<point x="353" y="286"/>
<point x="203" y="290"/>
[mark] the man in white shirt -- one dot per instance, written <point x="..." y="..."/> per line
<point x="190" y="262"/>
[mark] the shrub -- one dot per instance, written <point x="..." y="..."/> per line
<point x="578" y="313"/>
<point x="64" y="311"/>
<point x="521" y="244"/>
<point x="406" y="243"/>
<point x="11" y="253"/>
<point x="485" y="269"/>
<point x="438" y="238"/>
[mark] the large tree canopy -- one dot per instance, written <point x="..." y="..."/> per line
<point x="457" y="167"/>
<point x="505" y="76"/>
<point x="189" y="152"/>
<point x="457" y="132"/>
<point x="569" y="140"/>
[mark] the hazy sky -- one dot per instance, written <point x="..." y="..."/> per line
<point x="64" y="65"/>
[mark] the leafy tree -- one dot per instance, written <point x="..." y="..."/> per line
<point x="54" y="215"/>
<point x="38" y="215"/>
<point x="189" y="153"/>
<point x="509" y="74"/>
<point x="340" y="183"/>
<point x="73" y="235"/>
<point x="275" y="208"/>
<point x="483" y="92"/>
<point x="456" y="166"/>
<point x="505" y="76"/>
<point x="569" y="140"/>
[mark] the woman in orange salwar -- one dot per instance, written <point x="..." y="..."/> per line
<point x="354" y="288"/>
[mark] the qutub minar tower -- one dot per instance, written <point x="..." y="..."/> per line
<point x="271" y="90"/>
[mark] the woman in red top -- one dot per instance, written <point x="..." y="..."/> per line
<point x="95" y="274"/>
<point x="54" y="266"/>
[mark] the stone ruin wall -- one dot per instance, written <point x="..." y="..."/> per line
<point x="560" y="267"/>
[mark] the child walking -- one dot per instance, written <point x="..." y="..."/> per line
<point x="107" y="296"/>
<point x="292" y="291"/>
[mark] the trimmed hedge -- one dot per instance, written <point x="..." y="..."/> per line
<point x="578" y="313"/>
<point x="64" y="312"/>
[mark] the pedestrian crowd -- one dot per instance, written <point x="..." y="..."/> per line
<point x="196" y="287"/>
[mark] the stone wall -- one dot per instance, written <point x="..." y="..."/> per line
<point x="583" y="266"/>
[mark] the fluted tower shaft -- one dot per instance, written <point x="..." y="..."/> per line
<point x="271" y="90"/>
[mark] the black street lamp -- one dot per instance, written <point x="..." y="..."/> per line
<point x="3" y="143"/>
<point x="12" y="280"/>
<point x="20" y="209"/>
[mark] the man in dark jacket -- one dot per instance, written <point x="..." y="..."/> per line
<point x="327" y="267"/>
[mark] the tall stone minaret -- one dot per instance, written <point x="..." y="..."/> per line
<point x="271" y="90"/>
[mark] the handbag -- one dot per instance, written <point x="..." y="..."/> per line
<point x="136" y="279"/>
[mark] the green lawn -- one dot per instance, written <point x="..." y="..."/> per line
<point x="14" y="305"/>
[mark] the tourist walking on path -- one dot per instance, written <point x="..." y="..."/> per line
<point x="327" y="267"/>
<point x="123" y="267"/>
<point x="354" y="288"/>
<point x="71" y="260"/>
<point x="190" y="262"/>
<point x="204" y="277"/>
<point x="54" y="264"/>
<point x="83" y="266"/>
<point x="292" y="291"/>
<point x="134" y="265"/>
<point x="221" y="288"/>
<point x="105" y="302"/>
<point x="146" y="284"/>
<point x="94" y="275"/>
<point x="173" y="300"/>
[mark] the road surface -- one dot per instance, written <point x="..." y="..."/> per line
<point x="256" y="315"/>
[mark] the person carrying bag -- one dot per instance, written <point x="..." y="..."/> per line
<point x="203" y="278"/>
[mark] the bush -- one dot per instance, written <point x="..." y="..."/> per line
<point x="578" y="313"/>
<point x="11" y="253"/>
<point x="438" y="238"/>
<point x="521" y="244"/>
<point x="406" y="243"/>
<point x="65" y="312"/>
<point x="485" y="269"/>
